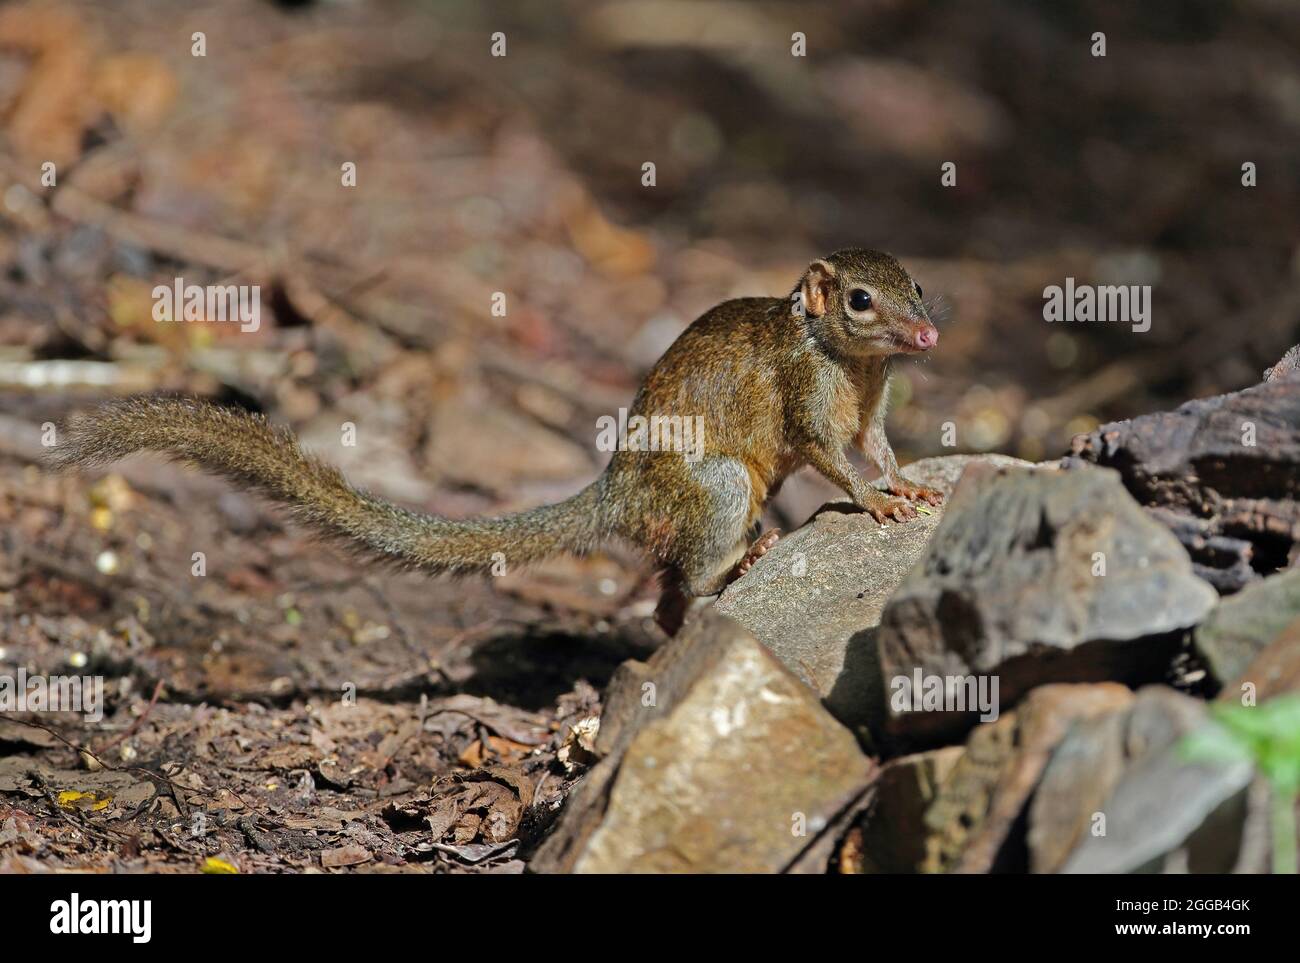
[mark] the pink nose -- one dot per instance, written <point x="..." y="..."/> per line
<point x="926" y="337"/>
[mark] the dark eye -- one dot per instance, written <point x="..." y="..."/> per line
<point x="918" y="288"/>
<point x="859" y="300"/>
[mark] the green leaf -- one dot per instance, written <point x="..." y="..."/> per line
<point x="1214" y="743"/>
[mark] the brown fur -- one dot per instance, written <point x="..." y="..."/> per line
<point x="777" y="389"/>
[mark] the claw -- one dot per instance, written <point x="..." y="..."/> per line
<point x="892" y="510"/>
<point x="917" y="493"/>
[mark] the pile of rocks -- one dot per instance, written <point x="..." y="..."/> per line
<point x="1006" y="685"/>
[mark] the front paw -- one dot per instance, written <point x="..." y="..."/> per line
<point x="883" y="508"/>
<point x="916" y="493"/>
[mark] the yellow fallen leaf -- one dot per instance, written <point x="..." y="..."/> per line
<point x="69" y="798"/>
<point x="219" y="867"/>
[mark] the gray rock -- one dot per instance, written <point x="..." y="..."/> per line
<point x="1093" y="778"/>
<point x="1244" y="624"/>
<point x="1166" y="813"/>
<point x="1274" y="672"/>
<point x="815" y="597"/>
<point x="975" y="823"/>
<point x="1222" y="473"/>
<point x="714" y="757"/>
<point x="1006" y="592"/>
<point x="890" y="834"/>
<point x="1090" y="763"/>
<point x="1082" y="773"/>
<point x="1287" y="366"/>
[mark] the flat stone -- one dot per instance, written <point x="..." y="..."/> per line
<point x="716" y="759"/>
<point x="815" y="597"/>
<point x="1010" y="590"/>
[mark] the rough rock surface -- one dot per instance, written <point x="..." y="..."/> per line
<point x="814" y="598"/>
<point x="1244" y="625"/>
<point x="715" y="757"/>
<point x="971" y="827"/>
<point x="1071" y="801"/>
<point x="1274" y="672"/>
<point x="1010" y="590"/>
<point x="1288" y="365"/>
<point x="1166" y="813"/>
<point x="1222" y="473"/>
<point x="889" y="836"/>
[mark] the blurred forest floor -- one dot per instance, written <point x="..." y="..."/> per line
<point x="523" y="175"/>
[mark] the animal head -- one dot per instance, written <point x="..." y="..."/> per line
<point x="864" y="303"/>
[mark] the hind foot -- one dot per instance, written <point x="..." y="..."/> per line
<point x="756" y="551"/>
<point x="670" y="613"/>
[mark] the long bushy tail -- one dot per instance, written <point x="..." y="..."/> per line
<point x="255" y="455"/>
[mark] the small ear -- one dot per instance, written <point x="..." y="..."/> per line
<point x="817" y="282"/>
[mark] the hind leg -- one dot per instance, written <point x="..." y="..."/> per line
<point x="707" y="553"/>
<point x="699" y="534"/>
<point x="670" y="613"/>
